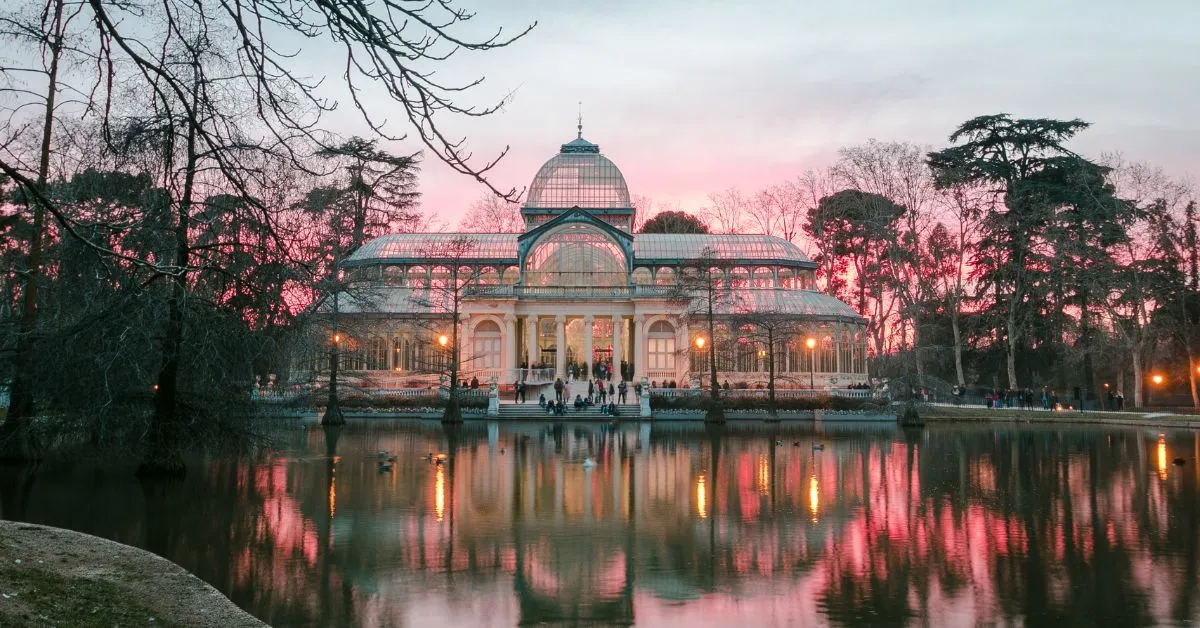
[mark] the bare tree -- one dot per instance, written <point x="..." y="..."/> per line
<point x="493" y="214"/>
<point x="704" y="293"/>
<point x="49" y="36"/>
<point x="897" y="171"/>
<point x="764" y="325"/>
<point x="726" y="211"/>
<point x="443" y="299"/>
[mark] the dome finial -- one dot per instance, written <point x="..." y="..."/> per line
<point x="579" y="127"/>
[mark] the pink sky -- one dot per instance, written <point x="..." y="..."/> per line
<point x="691" y="98"/>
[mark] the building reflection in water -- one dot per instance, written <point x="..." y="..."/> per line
<point x="675" y="523"/>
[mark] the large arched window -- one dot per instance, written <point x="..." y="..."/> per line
<point x="575" y="255"/>
<point x="486" y="347"/>
<point x="661" y="346"/>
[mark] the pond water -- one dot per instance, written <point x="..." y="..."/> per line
<point x="673" y="525"/>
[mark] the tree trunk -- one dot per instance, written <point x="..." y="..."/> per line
<point x="333" y="407"/>
<point x="453" y="411"/>
<point x="1192" y="374"/>
<point x="163" y="456"/>
<point x="716" y="413"/>
<point x="1138" y="398"/>
<point x="15" y="440"/>
<point x="771" y="373"/>
<point x="958" y="357"/>
<point x="1011" y="349"/>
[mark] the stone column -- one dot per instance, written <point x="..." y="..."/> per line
<point x="587" y="343"/>
<point x="683" y="354"/>
<point x="617" y="353"/>
<point x="531" y="345"/>
<point x="639" y="347"/>
<point x="510" y="345"/>
<point x="560" y="343"/>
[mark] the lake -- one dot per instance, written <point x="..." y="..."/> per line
<point x="668" y="524"/>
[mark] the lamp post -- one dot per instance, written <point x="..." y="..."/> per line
<point x="700" y="346"/>
<point x="1157" y="379"/>
<point x="811" y="343"/>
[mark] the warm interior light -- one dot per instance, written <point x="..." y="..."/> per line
<point x="700" y="342"/>
<point x="442" y="340"/>
<point x="337" y="337"/>
<point x="1157" y="379"/>
<point x="811" y="343"/>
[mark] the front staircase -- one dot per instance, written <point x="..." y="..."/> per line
<point x="532" y="412"/>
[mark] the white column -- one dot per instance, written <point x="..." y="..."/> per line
<point x="510" y="345"/>
<point x="683" y="354"/>
<point x="560" y="342"/>
<point x="617" y="321"/>
<point x="531" y="346"/>
<point x="587" y="342"/>
<point x="639" y="347"/>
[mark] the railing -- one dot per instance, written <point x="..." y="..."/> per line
<point x="574" y="292"/>
<point x="508" y="376"/>
<point x="281" y="395"/>
<point x="782" y="393"/>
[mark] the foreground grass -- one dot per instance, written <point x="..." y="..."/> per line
<point x="30" y="596"/>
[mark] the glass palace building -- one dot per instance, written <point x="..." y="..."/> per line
<point x="579" y="292"/>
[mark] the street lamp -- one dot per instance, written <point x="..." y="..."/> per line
<point x="811" y="343"/>
<point x="443" y="340"/>
<point x="1157" y="379"/>
<point x="700" y="342"/>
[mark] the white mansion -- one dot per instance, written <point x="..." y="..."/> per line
<point x="578" y="291"/>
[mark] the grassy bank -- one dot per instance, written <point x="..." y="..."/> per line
<point x="1008" y="415"/>
<point x="55" y="577"/>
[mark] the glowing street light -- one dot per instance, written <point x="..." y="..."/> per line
<point x="700" y="342"/>
<point x="337" y="338"/>
<point x="1157" y="379"/>
<point x="443" y="340"/>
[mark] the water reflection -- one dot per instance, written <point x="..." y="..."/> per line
<point x="678" y="524"/>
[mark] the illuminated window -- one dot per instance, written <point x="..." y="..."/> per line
<point x="661" y="346"/>
<point x="575" y="255"/>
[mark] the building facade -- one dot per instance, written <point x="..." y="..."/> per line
<point x="579" y="293"/>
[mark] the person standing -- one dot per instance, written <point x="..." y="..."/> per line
<point x="621" y="391"/>
<point x="591" y="390"/>
<point x="517" y="391"/>
<point x="558" y="389"/>
<point x="612" y="392"/>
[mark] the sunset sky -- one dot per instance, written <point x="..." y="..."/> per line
<point x="693" y="97"/>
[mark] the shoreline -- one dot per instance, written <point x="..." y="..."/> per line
<point x="55" y="576"/>
<point x="972" y="414"/>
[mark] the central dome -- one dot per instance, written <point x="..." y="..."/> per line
<point x="578" y="176"/>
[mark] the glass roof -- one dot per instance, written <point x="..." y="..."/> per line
<point x="685" y="246"/>
<point x="798" y="302"/>
<point x="661" y="247"/>
<point x="424" y="246"/>
<point x="578" y="176"/>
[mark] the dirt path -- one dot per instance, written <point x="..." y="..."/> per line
<point x="55" y="577"/>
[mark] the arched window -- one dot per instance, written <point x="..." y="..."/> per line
<point x="860" y="352"/>
<point x="418" y="277"/>
<point x="642" y="277"/>
<point x="439" y="279"/>
<point x="763" y="278"/>
<point x="845" y="352"/>
<point x="393" y="275"/>
<point x="787" y="278"/>
<point x="739" y="278"/>
<point x="827" y="359"/>
<point x="660" y="345"/>
<point x="486" y="346"/>
<point x="665" y="277"/>
<point x="806" y="280"/>
<point x="575" y="255"/>
<point x="510" y="276"/>
<point x="488" y="277"/>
